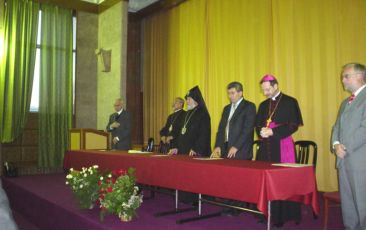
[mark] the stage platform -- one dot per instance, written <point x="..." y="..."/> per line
<point x="45" y="202"/>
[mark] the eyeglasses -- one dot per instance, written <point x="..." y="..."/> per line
<point x="349" y="75"/>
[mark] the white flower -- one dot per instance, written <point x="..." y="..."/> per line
<point x="101" y="178"/>
<point x="85" y="175"/>
<point x="81" y="186"/>
<point x="124" y="205"/>
<point x="71" y="169"/>
<point x="110" y="176"/>
<point x="95" y="166"/>
<point x="67" y="182"/>
<point x="69" y="176"/>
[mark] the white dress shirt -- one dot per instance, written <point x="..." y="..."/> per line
<point x="234" y="106"/>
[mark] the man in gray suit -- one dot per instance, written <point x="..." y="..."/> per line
<point x="119" y="125"/>
<point x="349" y="144"/>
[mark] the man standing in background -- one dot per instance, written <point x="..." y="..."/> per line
<point x="172" y="126"/>
<point x="119" y="125"/>
<point x="349" y="145"/>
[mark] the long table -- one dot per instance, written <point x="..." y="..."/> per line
<point x="248" y="181"/>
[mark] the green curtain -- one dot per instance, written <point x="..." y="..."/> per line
<point x="55" y="102"/>
<point x="17" y="66"/>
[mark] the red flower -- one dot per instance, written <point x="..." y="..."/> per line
<point x="119" y="172"/>
<point x="122" y="172"/>
<point x="99" y="182"/>
<point x="109" y="189"/>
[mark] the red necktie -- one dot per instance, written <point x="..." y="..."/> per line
<point x="351" y="98"/>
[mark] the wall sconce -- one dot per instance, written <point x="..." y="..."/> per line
<point x="106" y="56"/>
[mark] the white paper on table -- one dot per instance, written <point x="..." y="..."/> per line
<point x="293" y="165"/>
<point x="160" y="155"/>
<point x="207" y="158"/>
<point x="138" y="151"/>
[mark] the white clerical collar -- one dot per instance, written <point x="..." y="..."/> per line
<point x="119" y="112"/>
<point x="274" y="98"/>
<point x="359" y="90"/>
<point x="177" y="110"/>
<point x="238" y="102"/>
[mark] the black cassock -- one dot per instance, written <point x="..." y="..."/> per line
<point x="195" y="132"/>
<point x="287" y="118"/>
<point x="172" y="128"/>
<point x="195" y="135"/>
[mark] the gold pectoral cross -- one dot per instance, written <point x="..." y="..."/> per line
<point x="184" y="129"/>
<point x="269" y="120"/>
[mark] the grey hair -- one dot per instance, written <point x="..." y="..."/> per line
<point x="357" y="67"/>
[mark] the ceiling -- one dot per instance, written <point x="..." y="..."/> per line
<point x="133" y="5"/>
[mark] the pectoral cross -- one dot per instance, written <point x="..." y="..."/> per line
<point x="269" y="120"/>
<point x="184" y="129"/>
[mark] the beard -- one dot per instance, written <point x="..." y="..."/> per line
<point x="190" y="107"/>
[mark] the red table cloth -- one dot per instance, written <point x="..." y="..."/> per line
<point x="249" y="181"/>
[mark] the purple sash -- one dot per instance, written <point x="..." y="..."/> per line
<point x="287" y="147"/>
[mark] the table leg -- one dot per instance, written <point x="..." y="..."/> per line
<point x="176" y="210"/>
<point x="199" y="204"/>
<point x="176" y="200"/>
<point x="269" y="216"/>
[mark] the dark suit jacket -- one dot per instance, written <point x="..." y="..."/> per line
<point x="123" y="132"/>
<point x="241" y="130"/>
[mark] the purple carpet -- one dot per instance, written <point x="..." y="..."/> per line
<point x="45" y="202"/>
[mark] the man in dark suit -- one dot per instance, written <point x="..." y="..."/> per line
<point x="172" y="126"/>
<point x="234" y="138"/>
<point x="120" y="126"/>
